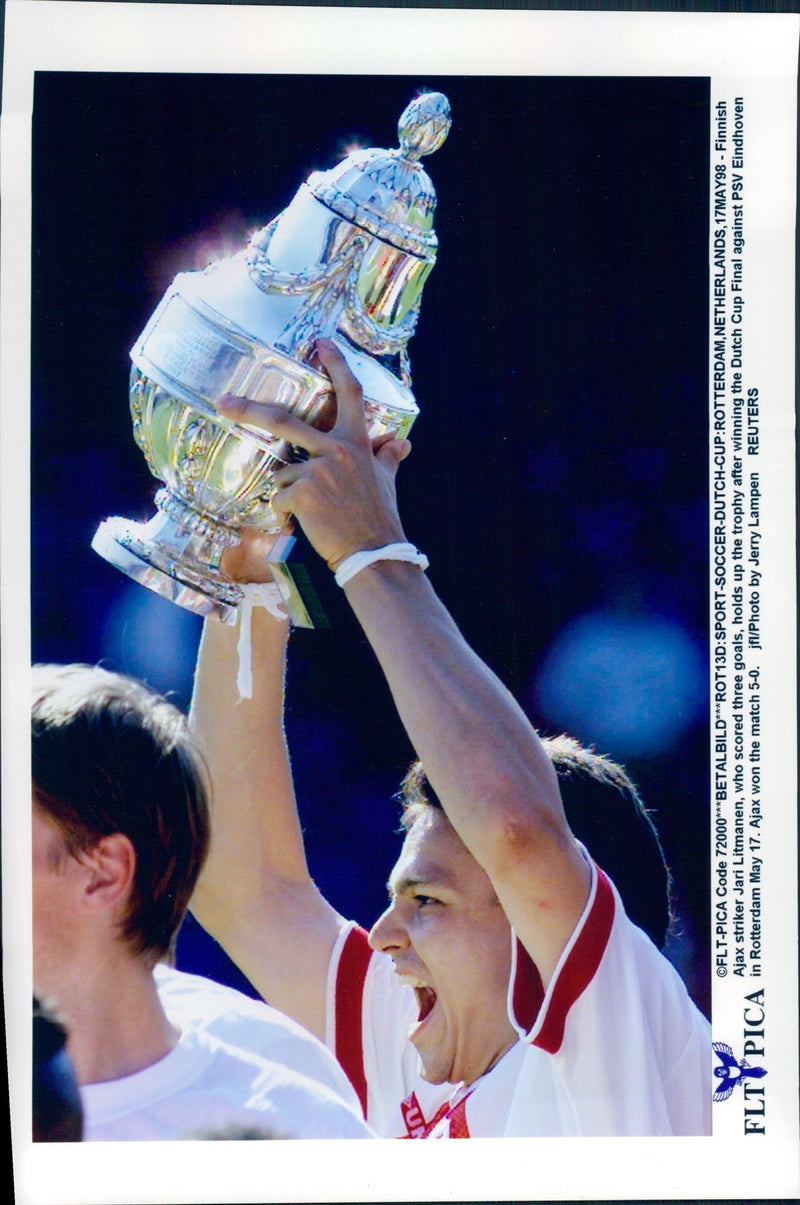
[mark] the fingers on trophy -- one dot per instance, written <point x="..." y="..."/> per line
<point x="346" y="260"/>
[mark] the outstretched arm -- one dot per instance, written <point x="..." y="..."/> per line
<point x="255" y="895"/>
<point x="481" y="754"/>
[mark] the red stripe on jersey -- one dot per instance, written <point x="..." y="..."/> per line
<point x="528" y="991"/>
<point x="453" y="1121"/>
<point x="458" y="1120"/>
<point x="414" y="1120"/>
<point x="350" y="976"/>
<point x="579" y="968"/>
<point x="413" y="1117"/>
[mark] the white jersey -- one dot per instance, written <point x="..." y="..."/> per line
<point x="615" y="1047"/>
<point x="252" y="1025"/>
<point x="204" y="1088"/>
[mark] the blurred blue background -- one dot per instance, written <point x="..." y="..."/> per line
<point x="558" y="481"/>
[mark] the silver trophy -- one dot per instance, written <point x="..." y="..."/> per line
<point x="347" y="259"/>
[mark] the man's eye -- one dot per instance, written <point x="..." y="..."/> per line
<point x="424" y="900"/>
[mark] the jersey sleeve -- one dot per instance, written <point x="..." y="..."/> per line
<point x="614" y="1042"/>
<point x="249" y="1025"/>
<point x="540" y="1017"/>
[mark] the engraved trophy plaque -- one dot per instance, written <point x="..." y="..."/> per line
<point x="347" y="259"/>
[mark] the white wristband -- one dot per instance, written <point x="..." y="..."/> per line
<point x="353" y="564"/>
<point x="256" y="594"/>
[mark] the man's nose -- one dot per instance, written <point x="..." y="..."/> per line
<point x="388" y="933"/>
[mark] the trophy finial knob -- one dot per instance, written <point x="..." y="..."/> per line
<point x="424" y="124"/>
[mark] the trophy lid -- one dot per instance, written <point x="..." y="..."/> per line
<point x="387" y="192"/>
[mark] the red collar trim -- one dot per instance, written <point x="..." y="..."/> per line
<point x="543" y="1017"/>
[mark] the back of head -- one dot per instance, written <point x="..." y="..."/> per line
<point x="605" y="813"/>
<point x="111" y="756"/>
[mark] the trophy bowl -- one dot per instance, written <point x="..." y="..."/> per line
<point x="347" y="259"/>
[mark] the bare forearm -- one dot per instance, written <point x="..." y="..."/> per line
<point x="256" y="832"/>
<point x="479" y="750"/>
<point x="255" y="895"/>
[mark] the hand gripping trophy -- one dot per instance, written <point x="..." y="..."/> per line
<point x="347" y="259"/>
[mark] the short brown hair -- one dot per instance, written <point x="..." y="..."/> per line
<point x="605" y="812"/>
<point x="112" y="756"/>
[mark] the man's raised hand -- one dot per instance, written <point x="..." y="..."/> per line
<point x="343" y="496"/>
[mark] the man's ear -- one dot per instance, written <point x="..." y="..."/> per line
<point x="110" y="866"/>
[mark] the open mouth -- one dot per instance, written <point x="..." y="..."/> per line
<point x="426" y="996"/>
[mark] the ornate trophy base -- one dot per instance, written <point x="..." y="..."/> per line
<point x="182" y="564"/>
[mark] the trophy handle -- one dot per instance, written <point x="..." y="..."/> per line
<point x="313" y="284"/>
